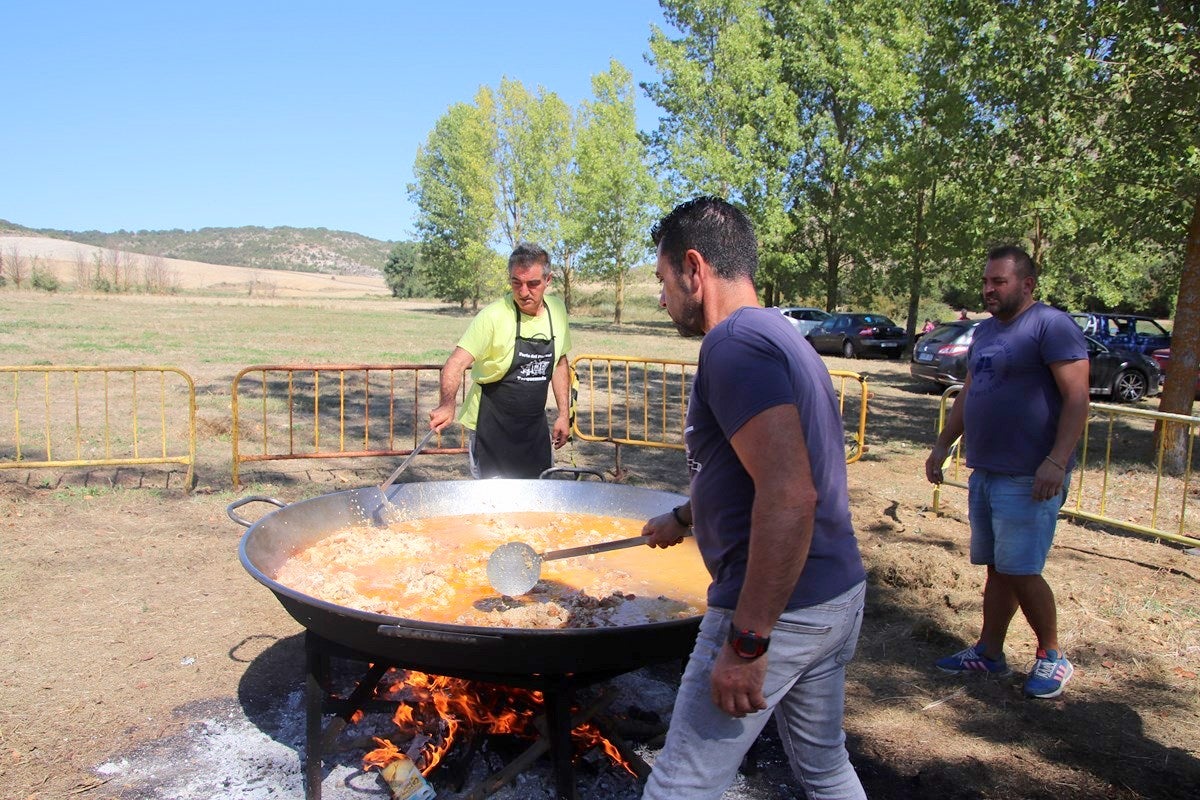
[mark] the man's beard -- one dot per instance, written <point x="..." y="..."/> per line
<point x="1006" y="307"/>
<point x="690" y="323"/>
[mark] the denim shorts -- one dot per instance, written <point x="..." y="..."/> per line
<point x="1009" y="529"/>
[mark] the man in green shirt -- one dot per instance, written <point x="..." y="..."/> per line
<point x="516" y="347"/>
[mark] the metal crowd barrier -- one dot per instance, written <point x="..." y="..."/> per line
<point x="323" y="411"/>
<point x="627" y="400"/>
<point x="98" y="416"/>
<point x="1122" y="477"/>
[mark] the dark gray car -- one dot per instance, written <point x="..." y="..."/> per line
<point x="1115" y="372"/>
<point x="854" y="334"/>
<point x="940" y="356"/>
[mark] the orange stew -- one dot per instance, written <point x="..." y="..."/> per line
<point x="434" y="570"/>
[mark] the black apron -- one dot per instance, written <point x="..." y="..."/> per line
<point x="511" y="437"/>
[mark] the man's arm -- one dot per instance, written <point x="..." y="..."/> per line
<point x="560" y="384"/>
<point x="773" y="451"/>
<point x="451" y="381"/>
<point x="1072" y="380"/>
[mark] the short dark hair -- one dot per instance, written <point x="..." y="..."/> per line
<point x="1021" y="260"/>
<point x="528" y="254"/>
<point x="714" y="228"/>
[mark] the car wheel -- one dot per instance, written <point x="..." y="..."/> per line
<point x="1129" y="386"/>
<point x="848" y="349"/>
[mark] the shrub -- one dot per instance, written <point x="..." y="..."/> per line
<point x="45" y="280"/>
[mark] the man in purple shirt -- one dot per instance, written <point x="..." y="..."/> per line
<point x="1020" y="412"/>
<point x="771" y="513"/>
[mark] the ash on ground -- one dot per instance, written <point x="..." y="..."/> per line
<point x="227" y="753"/>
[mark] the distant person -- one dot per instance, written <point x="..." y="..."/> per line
<point x="962" y="314"/>
<point x="516" y="348"/>
<point x="771" y="511"/>
<point x="928" y="326"/>
<point x="1021" y="411"/>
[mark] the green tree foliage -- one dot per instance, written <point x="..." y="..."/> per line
<point x="402" y="271"/>
<point x="729" y="127"/>
<point x="536" y="175"/>
<point x="920" y="212"/>
<point x="616" y="193"/>
<point x="456" y="210"/>
<point x="1147" y="118"/>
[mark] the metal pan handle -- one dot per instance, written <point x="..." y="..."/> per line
<point x="236" y="504"/>
<point x="430" y="635"/>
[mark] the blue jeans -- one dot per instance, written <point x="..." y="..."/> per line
<point x="1009" y="529"/>
<point x="804" y="688"/>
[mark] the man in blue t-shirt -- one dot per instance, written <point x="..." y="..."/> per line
<point x="771" y="514"/>
<point x="1020" y="412"/>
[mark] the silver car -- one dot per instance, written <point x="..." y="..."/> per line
<point x="804" y="318"/>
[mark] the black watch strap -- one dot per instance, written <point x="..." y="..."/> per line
<point x="679" y="517"/>
<point x="747" y="644"/>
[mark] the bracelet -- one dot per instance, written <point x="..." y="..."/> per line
<point x="1055" y="463"/>
<point x="679" y="519"/>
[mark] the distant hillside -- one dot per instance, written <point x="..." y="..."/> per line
<point x="304" y="249"/>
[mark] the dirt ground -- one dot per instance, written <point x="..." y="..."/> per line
<point x="140" y="660"/>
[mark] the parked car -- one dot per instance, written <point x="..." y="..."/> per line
<point x="1163" y="358"/>
<point x="940" y="356"/>
<point x="1120" y="374"/>
<point x="1128" y="331"/>
<point x="852" y="335"/>
<point x="804" y="318"/>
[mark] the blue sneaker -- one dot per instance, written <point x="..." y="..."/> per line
<point x="1049" y="675"/>
<point x="973" y="660"/>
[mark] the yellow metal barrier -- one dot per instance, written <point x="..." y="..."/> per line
<point x="857" y="434"/>
<point x="1121" y="478"/>
<point x="99" y="416"/>
<point x="363" y="409"/>
<point x="643" y="401"/>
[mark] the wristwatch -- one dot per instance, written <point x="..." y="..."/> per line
<point x="747" y="644"/>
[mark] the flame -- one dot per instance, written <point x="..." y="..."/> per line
<point x="383" y="755"/>
<point x="432" y="709"/>
<point x="589" y="735"/>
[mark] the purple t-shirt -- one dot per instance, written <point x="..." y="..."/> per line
<point x="1013" y="405"/>
<point x="752" y="361"/>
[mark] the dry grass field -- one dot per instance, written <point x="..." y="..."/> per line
<point x="67" y="260"/>
<point x="134" y="637"/>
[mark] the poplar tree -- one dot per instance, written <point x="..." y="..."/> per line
<point x="456" y="209"/>
<point x="616" y="193"/>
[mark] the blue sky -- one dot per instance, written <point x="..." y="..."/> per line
<point x="158" y="115"/>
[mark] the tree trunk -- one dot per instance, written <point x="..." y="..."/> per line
<point x="620" y="297"/>
<point x="831" y="276"/>
<point x="566" y="282"/>
<point x="918" y="267"/>
<point x="1180" y="389"/>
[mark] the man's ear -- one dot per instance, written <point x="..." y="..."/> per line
<point x="692" y="267"/>
<point x="698" y="272"/>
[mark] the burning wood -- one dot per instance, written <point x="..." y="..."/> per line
<point x="434" y="711"/>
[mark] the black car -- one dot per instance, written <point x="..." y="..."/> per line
<point x="852" y="335"/>
<point x="1120" y="374"/>
<point x="1126" y="331"/>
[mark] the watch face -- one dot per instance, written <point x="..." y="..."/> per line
<point x="747" y="644"/>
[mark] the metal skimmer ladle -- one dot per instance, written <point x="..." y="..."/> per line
<point x="515" y="568"/>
